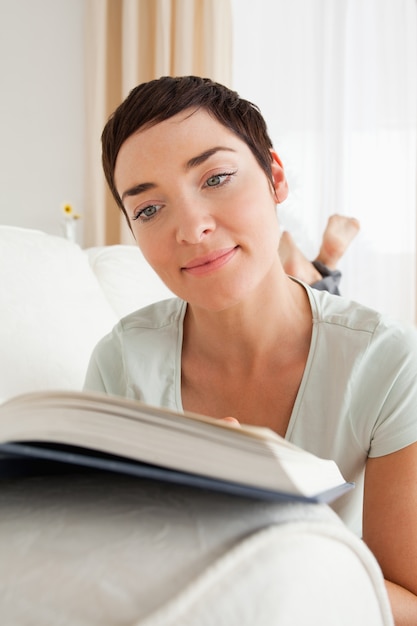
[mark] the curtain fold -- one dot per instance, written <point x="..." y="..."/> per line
<point x="132" y="41"/>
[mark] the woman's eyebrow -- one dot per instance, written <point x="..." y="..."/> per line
<point x="137" y="189"/>
<point x="200" y="158"/>
<point x="193" y="162"/>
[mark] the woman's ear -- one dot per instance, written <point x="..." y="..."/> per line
<point x="278" y="176"/>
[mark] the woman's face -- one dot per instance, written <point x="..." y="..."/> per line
<point x="201" y="208"/>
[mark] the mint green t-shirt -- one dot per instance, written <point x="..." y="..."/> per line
<point x="357" y="398"/>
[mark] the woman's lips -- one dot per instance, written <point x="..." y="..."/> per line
<point x="209" y="262"/>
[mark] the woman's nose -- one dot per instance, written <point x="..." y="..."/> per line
<point x="194" y="222"/>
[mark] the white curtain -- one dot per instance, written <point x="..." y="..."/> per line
<point x="337" y="83"/>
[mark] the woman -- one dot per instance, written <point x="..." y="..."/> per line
<point x="192" y="168"/>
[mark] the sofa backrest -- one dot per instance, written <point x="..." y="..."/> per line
<point x="57" y="301"/>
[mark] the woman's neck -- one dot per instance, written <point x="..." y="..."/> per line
<point x="248" y="362"/>
<point x="249" y="331"/>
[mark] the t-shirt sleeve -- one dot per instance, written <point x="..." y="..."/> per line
<point x="106" y="372"/>
<point x="393" y="389"/>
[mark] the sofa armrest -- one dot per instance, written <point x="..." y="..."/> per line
<point x="105" y="549"/>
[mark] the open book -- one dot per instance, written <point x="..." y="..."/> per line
<point x="122" y="435"/>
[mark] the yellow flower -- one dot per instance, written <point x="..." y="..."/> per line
<point x="69" y="212"/>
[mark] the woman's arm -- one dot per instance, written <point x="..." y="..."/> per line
<point x="390" y="527"/>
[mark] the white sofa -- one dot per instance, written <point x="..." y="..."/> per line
<point x="57" y="301"/>
<point x="102" y="549"/>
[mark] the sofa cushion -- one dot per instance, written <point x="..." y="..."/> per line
<point x="52" y="312"/>
<point x="126" y="278"/>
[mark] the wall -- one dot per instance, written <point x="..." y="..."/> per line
<point x="42" y="111"/>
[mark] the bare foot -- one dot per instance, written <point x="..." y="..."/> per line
<point x="294" y="262"/>
<point x="339" y="232"/>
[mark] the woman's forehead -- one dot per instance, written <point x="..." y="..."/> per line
<point x="192" y="122"/>
<point x="181" y="137"/>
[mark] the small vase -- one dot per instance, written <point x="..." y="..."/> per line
<point x="70" y="229"/>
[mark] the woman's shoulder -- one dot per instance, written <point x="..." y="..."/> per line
<point x="156" y="315"/>
<point x="145" y="324"/>
<point x="350" y="314"/>
<point x="361" y="329"/>
<point x="124" y="362"/>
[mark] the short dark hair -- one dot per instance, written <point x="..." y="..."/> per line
<point x="158" y="100"/>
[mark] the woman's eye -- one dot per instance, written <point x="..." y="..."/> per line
<point x="219" y="179"/>
<point x="214" y="180"/>
<point x="147" y="213"/>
